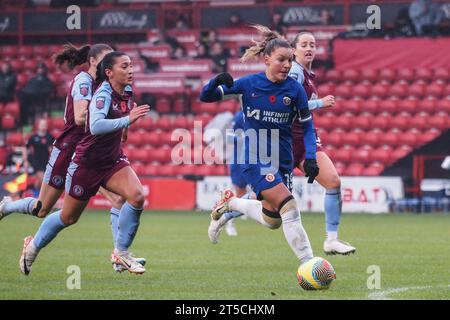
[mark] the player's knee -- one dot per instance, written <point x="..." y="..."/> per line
<point x="333" y="182"/>
<point x="137" y="198"/>
<point x="272" y="218"/>
<point x="43" y="212"/>
<point x="118" y="201"/>
<point x="70" y="220"/>
<point x="289" y="207"/>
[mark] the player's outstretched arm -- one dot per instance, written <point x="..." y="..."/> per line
<point x="211" y="92"/>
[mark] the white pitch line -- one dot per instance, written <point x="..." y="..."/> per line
<point x="383" y="295"/>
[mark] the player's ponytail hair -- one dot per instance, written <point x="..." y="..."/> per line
<point x="77" y="56"/>
<point x="107" y="63"/>
<point x="271" y="41"/>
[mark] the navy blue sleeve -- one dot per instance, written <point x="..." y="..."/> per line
<point x="213" y="93"/>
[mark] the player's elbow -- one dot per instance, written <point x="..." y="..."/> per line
<point x="94" y="128"/>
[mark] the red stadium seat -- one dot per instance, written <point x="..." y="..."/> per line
<point x="340" y="167"/>
<point x="435" y="89"/>
<point x="180" y="122"/>
<point x="150" y="169"/>
<point x="12" y="108"/>
<point x="344" y="121"/>
<point x="424" y="74"/>
<point x="145" y="123"/>
<point x="362" y="154"/>
<point x="439" y="121"/>
<point x="8" y="122"/>
<point x="399" y="90"/>
<point x="363" y="122"/>
<point x="40" y="50"/>
<point x="323" y="122"/>
<point x="26" y="51"/>
<point x="390" y="138"/>
<point x="405" y="74"/>
<point x="371" y="105"/>
<point x="179" y="105"/>
<point x="326" y="89"/>
<point x="379" y="90"/>
<point x="136" y="138"/>
<point x="381" y="121"/>
<point x="163" y="123"/>
<point x="427" y="105"/>
<point x="344" y="91"/>
<point x="443" y="105"/>
<point x="388" y="106"/>
<point x="352" y="106"/>
<point x="14" y="139"/>
<point x="408" y="137"/>
<point x="350" y="75"/>
<point x="354" y="169"/>
<point x="387" y="75"/>
<point x="167" y="170"/>
<point x="335" y="137"/>
<point x="419" y="121"/>
<point x="417" y="90"/>
<point x="9" y="51"/>
<point x="369" y="75"/>
<point x="334" y="75"/>
<point x="163" y="105"/>
<point x="361" y="90"/>
<point x="16" y="65"/>
<point x="344" y="154"/>
<point x="401" y="122"/>
<point x="371" y="137"/>
<point x="210" y="108"/>
<point x="382" y="154"/>
<point x="408" y="105"/>
<point x="442" y="74"/>
<point x="428" y="136"/>
<point x="400" y="152"/>
<point x="373" y="170"/>
<point x="203" y="118"/>
<point x="351" y="138"/>
<point x="227" y="105"/>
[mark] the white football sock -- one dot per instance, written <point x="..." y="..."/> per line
<point x="250" y="208"/>
<point x="332" y="235"/>
<point x="296" y="235"/>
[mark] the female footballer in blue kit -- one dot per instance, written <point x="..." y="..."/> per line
<point x="98" y="161"/>
<point x="270" y="101"/>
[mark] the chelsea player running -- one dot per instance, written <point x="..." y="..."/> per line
<point x="270" y="101"/>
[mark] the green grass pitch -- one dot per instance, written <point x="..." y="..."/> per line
<point x="412" y="252"/>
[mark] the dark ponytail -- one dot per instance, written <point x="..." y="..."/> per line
<point x="77" y="56"/>
<point x="107" y="63"/>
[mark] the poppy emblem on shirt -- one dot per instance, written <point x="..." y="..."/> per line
<point x="272" y="99"/>
<point x="100" y="102"/>
<point x="287" y="101"/>
<point x="270" y="177"/>
<point x="84" y="89"/>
